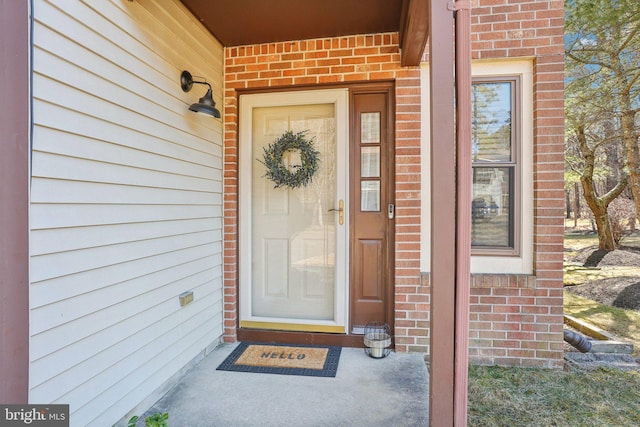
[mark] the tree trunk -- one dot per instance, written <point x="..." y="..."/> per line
<point x="632" y="156"/>
<point x="612" y="155"/>
<point x="576" y="206"/>
<point x="606" y="241"/>
<point x="598" y="204"/>
<point x="624" y="87"/>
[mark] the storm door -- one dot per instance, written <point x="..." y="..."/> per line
<point x="293" y="235"/>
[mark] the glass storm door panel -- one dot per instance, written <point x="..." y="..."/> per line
<point x="293" y="242"/>
<point x="293" y="229"/>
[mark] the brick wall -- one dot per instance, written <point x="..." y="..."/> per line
<point x="333" y="61"/>
<point x="515" y="320"/>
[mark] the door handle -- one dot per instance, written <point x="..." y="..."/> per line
<point x="340" y="211"/>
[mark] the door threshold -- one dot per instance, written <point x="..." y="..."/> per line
<point x="289" y="337"/>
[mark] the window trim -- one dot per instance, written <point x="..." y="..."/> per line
<point x="499" y="263"/>
<point x="516" y="162"/>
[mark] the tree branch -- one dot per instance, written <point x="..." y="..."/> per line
<point x="629" y="38"/>
<point x="633" y="81"/>
<point x="616" y="191"/>
<point x="571" y="55"/>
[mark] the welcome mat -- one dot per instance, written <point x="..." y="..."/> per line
<point x="290" y="359"/>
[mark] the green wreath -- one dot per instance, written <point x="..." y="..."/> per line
<point x="297" y="175"/>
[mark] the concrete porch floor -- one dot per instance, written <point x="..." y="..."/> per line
<point x="392" y="391"/>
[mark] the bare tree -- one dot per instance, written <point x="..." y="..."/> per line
<point x="589" y="144"/>
<point x="590" y="135"/>
<point x="603" y="43"/>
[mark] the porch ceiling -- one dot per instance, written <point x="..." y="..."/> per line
<point x="243" y="22"/>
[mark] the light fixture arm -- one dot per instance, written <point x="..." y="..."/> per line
<point x="187" y="81"/>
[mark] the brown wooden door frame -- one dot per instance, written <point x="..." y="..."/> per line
<point x="387" y="91"/>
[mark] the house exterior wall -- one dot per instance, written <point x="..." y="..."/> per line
<point x="516" y="306"/>
<point x="362" y="58"/>
<point x="516" y="317"/>
<point x="126" y="204"/>
<point x="526" y="319"/>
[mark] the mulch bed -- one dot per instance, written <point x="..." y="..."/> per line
<point x="625" y="256"/>
<point x="622" y="291"/>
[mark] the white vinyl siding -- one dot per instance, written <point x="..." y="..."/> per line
<point x="126" y="203"/>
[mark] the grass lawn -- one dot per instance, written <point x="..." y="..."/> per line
<point x="581" y="239"/>
<point x="538" y="397"/>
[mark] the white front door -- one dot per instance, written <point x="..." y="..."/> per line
<point x="293" y="241"/>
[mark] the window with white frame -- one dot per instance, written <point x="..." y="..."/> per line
<point x="502" y="132"/>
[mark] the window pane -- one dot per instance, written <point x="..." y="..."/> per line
<point x="491" y="122"/>
<point x="492" y="207"/>
<point x="370" y="128"/>
<point x="370" y="196"/>
<point x="370" y="162"/>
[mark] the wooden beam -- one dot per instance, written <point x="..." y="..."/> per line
<point x="414" y="31"/>
<point x="14" y="202"/>
<point x="464" y="178"/>
<point x="443" y="214"/>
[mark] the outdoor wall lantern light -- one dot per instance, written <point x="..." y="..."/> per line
<point x="206" y="104"/>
